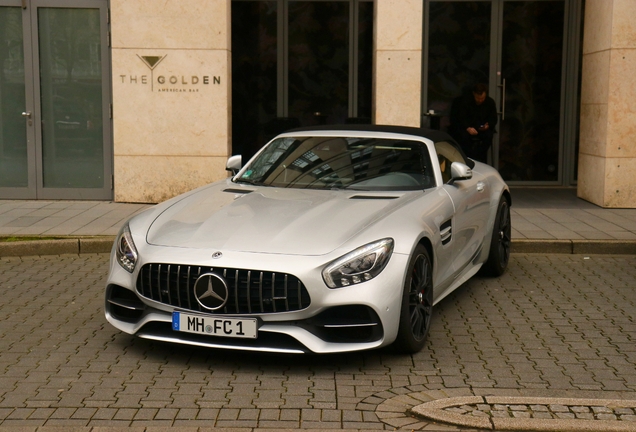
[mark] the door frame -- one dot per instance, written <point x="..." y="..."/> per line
<point x="28" y="192"/>
<point x="35" y="188"/>
<point x="570" y="77"/>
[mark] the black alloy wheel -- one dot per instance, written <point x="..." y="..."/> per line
<point x="500" y="244"/>
<point x="417" y="303"/>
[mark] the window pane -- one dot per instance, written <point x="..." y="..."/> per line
<point x="531" y="64"/>
<point x="365" y="61"/>
<point x="13" y="140"/>
<point x="254" y="75"/>
<point x="459" y="52"/>
<point x="71" y="98"/>
<point x="319" y="62"/>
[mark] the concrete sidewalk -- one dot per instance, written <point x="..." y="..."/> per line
<point x="548" y="220"/>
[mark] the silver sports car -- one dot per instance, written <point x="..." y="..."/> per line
<point x="329" y="239"/>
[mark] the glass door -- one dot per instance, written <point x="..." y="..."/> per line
<point x="530" y="79"/>
<point x="518" y="48"/>
<point x="298" y="63"/>
<point x="60" y="148"/>
<point x="17" y="150"/>
<point x="318" y="62"/>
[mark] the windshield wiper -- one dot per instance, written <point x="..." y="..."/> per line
<point x="248" y="181"/>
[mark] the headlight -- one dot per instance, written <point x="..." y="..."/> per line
<point x="360" y="265"/>
<point x="126" y="250"/>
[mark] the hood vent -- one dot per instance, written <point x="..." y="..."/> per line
<point x="373" y="197"/>
<point x="238" y="191"/>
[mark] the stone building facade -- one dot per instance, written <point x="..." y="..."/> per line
<point x="152" y="97"/>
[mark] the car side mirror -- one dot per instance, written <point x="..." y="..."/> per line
<point x="234" y="164"/>
<point x="459" y="171"/>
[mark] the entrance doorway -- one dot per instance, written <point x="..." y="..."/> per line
<point x="298" y="63"/>
<point x="527" y="52"/>
<point x="55" y="131"/>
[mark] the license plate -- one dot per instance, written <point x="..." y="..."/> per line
<point x="214" y="325"/>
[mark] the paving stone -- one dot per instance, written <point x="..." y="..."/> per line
<point x="539" y="408"/>
<point x="550" y="324"/>
<point x="559" y="408"/>
<point x="519" y="407"/>
<point x="628" y="411"/>
<point x="601" y="410"/>
<point x="580" y="409"/>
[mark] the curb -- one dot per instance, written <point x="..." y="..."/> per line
<point x="103" y="244"/>
<point x="448" y="411"/>
<point x="594" y="247"/>
<point x="81" y="245"/>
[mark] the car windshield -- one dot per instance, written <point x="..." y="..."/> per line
<point x="341" y="163"/>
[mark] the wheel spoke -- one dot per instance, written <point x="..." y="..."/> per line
<point x="504" y="229"/>
<point x="420" y="297"/>
<point x="416" y="319"/>
<point x="416" y="279"/>
<point x="504" y="219"/>
<point x="420" y="328"/>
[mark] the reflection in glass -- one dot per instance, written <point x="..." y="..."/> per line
<point x="459" y="52"/>
<point x="532" y="56"/>
<point x="341" y="163"/>
<point x="365" y="61"/>
<point x="13" y="140"/>
<point x="71" y="98"/>
<point x="319" y="62"/>
<point x="254" y="67"/>
<point x="270" y="97"/>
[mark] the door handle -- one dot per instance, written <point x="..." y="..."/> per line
<point x="480" y="186"/>
<point x="503" y="98"/>
<point x="27" y="115"/>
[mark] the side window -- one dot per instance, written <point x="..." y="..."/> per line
<point x="447" y="153"/>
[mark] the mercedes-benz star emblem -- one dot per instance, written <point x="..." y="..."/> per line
<point x="211" y="291"/>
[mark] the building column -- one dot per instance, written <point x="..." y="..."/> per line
<point x="397" y="49"/>
<point x="171" y="96"/>
<point x="607" y="155"/>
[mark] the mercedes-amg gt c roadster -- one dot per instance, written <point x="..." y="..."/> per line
<point x="329" y="239"/>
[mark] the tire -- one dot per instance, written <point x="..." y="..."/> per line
<point x="417" y="303"/>
<point x="499" y="253"/>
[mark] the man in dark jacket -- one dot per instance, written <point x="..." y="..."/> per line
<point x="476" y="120"/>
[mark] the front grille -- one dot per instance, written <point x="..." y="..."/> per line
<point x="250" y="291"/>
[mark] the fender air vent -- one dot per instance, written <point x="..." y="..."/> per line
<point x="446" y="231"/>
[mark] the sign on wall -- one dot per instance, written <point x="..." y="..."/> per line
<point x="172" y="80"/>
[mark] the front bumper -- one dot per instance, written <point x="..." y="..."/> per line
<point x="357" y="317"/>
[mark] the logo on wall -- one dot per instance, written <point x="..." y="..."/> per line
<point x="181" y="83"/>
<point x="151" y="62"/>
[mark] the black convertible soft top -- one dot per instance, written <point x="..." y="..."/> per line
<point x="433" y="135"/>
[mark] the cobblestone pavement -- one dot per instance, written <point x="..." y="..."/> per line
<point x="552" y="326"/>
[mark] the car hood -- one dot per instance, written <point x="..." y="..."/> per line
<point x="271" y="220"/>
